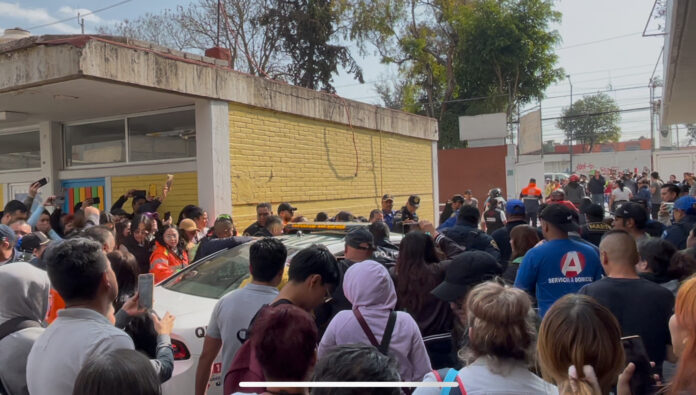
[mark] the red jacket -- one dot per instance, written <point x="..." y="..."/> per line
<point x="164" y="262"/>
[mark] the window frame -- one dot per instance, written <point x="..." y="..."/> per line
<point x="126" y="139"/>
<point x="20" y="130"/>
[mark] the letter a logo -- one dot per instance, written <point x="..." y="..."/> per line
<point x="572" y="263"/>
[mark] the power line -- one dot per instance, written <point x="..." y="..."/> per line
<point x="601" y="41"/>
<point x="81" y="15"/>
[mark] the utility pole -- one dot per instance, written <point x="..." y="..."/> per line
<point x="570" y="140"/>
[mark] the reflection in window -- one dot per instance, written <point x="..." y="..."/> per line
<point x="94" y="143"/>
<point x="162" y="136"/>
<point x="20" y="151"/>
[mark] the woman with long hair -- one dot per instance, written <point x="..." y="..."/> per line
<point x="682" y="327"/>
<point x="122" y="230"/>
<point x="139" y="242"/>
<point x="418" y="270"/>
<point x="577" y="332"/>
<point x="170" y="253"/>
<point x="522" y="239"/>
<point x="619" y="195"/>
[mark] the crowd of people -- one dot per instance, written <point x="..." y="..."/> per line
<point x="530" y="295"/>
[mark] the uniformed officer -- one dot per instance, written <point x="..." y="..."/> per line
<point x="388" y="211"/>
<point x="405" y="218"/>
<point x="684" y="219"/>
<point x="595" y="227"/>
<point x="493" y="217"/>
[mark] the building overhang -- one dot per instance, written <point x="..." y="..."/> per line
<point x="679" y="94"/>
<point x="116" y="76"/>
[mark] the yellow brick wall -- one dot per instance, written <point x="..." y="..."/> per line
<point x="278" y="157"/>
<point x="184" y="190"/>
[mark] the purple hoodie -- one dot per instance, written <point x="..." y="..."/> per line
<point x="368" y="286"/>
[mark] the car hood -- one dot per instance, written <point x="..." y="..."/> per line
<point x="195" y="308"/>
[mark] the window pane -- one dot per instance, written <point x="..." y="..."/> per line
<point x="94" y="143"/>
<point x="162" y="136"/>
<point x="20" y="151"/>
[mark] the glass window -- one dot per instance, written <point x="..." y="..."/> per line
<point x="162" y="136"/>
<point x="94" y="143"/>
<point x="20" y="151"/>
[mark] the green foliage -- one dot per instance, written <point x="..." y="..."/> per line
<point x="306" y="28"/>
<point x="591" y="120"/>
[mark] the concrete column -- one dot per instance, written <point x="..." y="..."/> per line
<point x="51" y="156"/>
<point x="436" y="186"/>
<point x="213" y="157"/>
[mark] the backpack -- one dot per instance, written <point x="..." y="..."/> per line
<point x="383" y="347"/>
<point x="449" y="375"/>
<point x="17" y="324"/>
<point x="245" y="366"/>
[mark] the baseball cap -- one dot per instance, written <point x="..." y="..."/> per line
<point x="359" y="236"/>
<point x="466" y="270"/>
<point x="595" y="211"/>
<point x="8" y="234"/>
<point x="414" y="200"/>
<point x="686" y="203"/>
<point x="286" y="207"/>
<point x="458" y="198"/>
<point x="514" y="207"/>
<point x="634" y="211"/>
<point x="560" y="216"/>
<point x="187" y="224"/>
<point x="33" y="241"/>
<point x="387" y="197"/>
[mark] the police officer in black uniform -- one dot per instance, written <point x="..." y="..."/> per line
<point x="493" y="217"/>
<point x="595" y="227"/>
<point x="406" y="218"/>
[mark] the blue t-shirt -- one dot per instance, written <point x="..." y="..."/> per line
<point x="557" y="268"/>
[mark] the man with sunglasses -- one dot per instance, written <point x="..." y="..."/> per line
<point x="263" y="211"/>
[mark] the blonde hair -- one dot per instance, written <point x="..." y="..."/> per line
<point x="579" y="331"/>
<point x="501" y="321"/>
<point x="685" y="312"/>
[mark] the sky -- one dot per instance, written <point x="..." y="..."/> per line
<point x="602" y="50"/>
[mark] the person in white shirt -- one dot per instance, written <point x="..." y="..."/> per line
<point x="620" y="194"/>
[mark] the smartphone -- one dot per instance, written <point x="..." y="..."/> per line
<point x="42" y="181"/>
<point x="96" y="200"/>
<point x="146" y="283"/>
<point x="60" y="201"/>
<point x="139" y="193"/>
<point x="642" y="381"/>
<point x="167" y="215"/>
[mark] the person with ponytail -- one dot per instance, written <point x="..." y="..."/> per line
<point x="579" y="346"/>
<point x="619" y="195"/>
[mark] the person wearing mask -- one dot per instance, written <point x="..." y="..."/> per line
<point x="578" y="331"/>
<point x="466" y="271"/>
<point x="140" y="241"/>
<point x="684" y="214"/>
<point x="632" y="218"/>
<point x="619" y="195"/>
<point x="656" y="198"/>
<point x="493" y="218"/>
<point x="573" y="191"/>
<point x="263" y="211"/>
<point x="169" y="255"/>
<point x="80" y="272"/>
<point x="369" y="288"/>
<point x="286" y="211"/>
<point x="457" y="202"/>
<point x="467" y="234"/>
<point x="117" y="372"/>
<point x="8" y="239"/>
<point x="522" y="239"/>
<point x="560" y="265"/>
<point x="234" y="311"/>
<point x="595" y="227"/>
<point x="284" y="343"/>
<point x="516" y="216"/>
<point x="388" y="210"/>
<point x="355" y="362"/>
<point x="641" y="307"/>
<point x="14" y="211"/>
<point x="23" y="306"/>
<point x="669" y="193"/>
<point x="406" y="219"/>
<point x="501" y="344"/>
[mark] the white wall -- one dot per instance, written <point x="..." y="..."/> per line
<point x="602" y="161"/>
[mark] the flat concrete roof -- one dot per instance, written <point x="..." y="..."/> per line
<point x="42" y="60"/>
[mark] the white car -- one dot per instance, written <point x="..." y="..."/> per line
<point x="191" y="294"/>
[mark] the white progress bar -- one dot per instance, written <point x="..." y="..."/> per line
<point x="346" y="384"/>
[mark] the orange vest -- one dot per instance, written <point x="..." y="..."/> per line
<point x="164" y="263"/>
<point x="531" y="190"/>
<point x="55" y="303"/>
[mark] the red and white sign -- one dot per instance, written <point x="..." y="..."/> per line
<point x="572" y="264"/>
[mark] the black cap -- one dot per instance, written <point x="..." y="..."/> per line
<point x="286" y="207"/>
<point x="359" y="236"/>
<point x="33" y="241"/>
<point x="119" y="211"/>
<point x="466" y="270"/>
<point x="595" y="211"/>
<point x="634" y="211"/>
<point x="387" y="197"/>
<point x="414" y="200"/>
<point x="560" y="216"/>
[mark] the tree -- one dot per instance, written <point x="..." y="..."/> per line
<point x="306" y="29"/>
<point x="591" y="120"/>
<point x="463" y="57"/>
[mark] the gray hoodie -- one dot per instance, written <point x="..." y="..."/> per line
<point x="24" y="293"/>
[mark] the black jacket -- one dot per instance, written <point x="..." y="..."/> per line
<point x="470" y="237"/>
